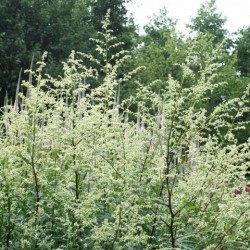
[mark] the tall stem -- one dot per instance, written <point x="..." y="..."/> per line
<point x="9" y="220"/>
<point x="33" y="165"/>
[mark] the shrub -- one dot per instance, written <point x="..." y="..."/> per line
<point x="80" y="170"/>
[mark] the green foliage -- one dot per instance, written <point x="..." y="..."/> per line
<point x="161" y="51"/>
<point x="243" y="52"/>
<point x="77" y="173"/>
<point x="209" y="22"/>
<point x="30" y="27"/>
<point x="123" y="27"/>
<point x="11" y="44"/>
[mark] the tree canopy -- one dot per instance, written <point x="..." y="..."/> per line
<point x="243" y="52"/>
<point x="28" y="28"/>
<point x="209" y="21"/>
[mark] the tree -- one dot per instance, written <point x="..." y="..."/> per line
<point x="209" y="22"/>
<point x="28" y="28"/>
<point x="123" y="27"/>
<point x="243" y="52"/>
<point x="13" y="50"/>
<point x="161" y="50"/>
<point x="211" y="36"/>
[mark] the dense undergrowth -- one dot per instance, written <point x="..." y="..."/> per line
<point x="79" y="169"/>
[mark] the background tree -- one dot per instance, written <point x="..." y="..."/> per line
<point x="243" y="52"/>
<point x="209" y="24"/>
<point x="28" y="28"/>
<point x="13" y="50"/>
<point x="161" y="49"/>
<point x="121" y="25"/>
<point x="208" y="21"/>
